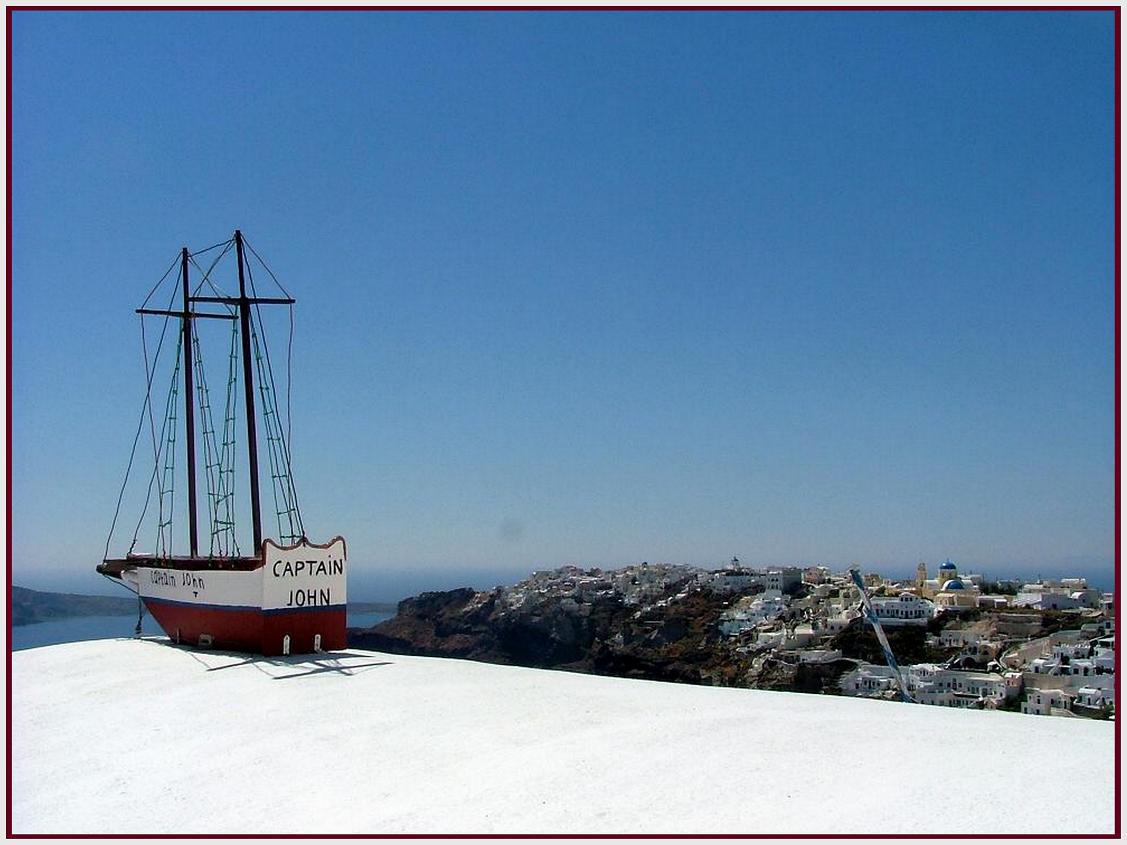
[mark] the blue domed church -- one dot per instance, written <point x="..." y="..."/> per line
<point x="947" y="589"/>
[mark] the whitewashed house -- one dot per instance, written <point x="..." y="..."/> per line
<point x="1071" y="651"/>
<point x="992" y="602"/>
<point x="868" y="679"/>
<point x="904" y="609"/>
<point x="1046" y="702"/>
<point x="783" y="579"/>
<point x="732" y="581"/>
<point x="1041" y="597"/>
<point x="750" y="614"/>
<point x="932" y="684"/>
<point x="1094" y="697"/>
<point x="1087" y="598"/>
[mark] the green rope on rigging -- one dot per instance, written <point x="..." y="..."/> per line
<point x="219" y="469"/>
<point x="285" y="500"/>
<point x="207" y="431"/>
<point x="166" y="483"/>
<point x="227" y="451"/>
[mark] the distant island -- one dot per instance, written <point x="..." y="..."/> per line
<point x="31" y="606"/>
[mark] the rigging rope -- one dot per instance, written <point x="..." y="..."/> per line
<point x="206" y="274"/>
<point x="281" y="477"/>
<point x="266" y="267"/>
<point x="159" y="283"/>
<point x="219" y="460"/>
<point x="148" y="399"/>
<point x="266" y="378"/>
<point x="145" y="407"/>
<point x="227" y="455"/>
<point x="132" y="454"/>
<point x="152" y="426"/>
<point x="227" y="242"/>
<point x="168" y="476"/>
<point x="207" y="432"/>
<point x="289" y="379"/>
<point x="289" y="343"/>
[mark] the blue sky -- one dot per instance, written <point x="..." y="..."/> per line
<point x="594" y="287"/>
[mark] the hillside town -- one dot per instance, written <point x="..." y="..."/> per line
<point x="961" y="640"/>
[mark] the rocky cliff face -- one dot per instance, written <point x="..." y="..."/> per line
<point x="666" y="640"/>
<point x="454" y="623"/>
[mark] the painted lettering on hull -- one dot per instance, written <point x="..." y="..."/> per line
<point x="309" y="598"/>
<point x="304" y="576"/>
<point x="162" y="577"/>
<point x="165" y="578"/>
<point x="301" y="568"/>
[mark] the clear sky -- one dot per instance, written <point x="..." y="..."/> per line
<point x="594" y="287"/>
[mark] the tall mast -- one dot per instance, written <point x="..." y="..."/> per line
<point x="189" y="410"/>
<point x="248" y="392"/>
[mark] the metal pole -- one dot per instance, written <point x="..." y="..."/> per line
<point x="248" y="392"/>
<point x="871" y="615"/>
<point x="189" y="411"/>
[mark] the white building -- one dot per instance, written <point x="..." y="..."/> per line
<point x="868" y="679"/>
<point x="783" y="579"/>
<point x="993" y="602"/>
<point x="905" y="609"/>
<point x="1087" y="598"/>
<point x="958" y="638"/>
<point x="1094" y="697"/>
<point x="747" y="615"/>
<point x="1063" y="594"/>
<point x="1046" y="702"/>
<point x="732" y="580"/>
<point x="1071" y="650"/>
<point x="956" y="595"/>
<point x="932" y="684"/>
<point x="1045" y="600"/>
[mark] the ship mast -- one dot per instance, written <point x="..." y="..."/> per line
<point x="186" y="316"/>
<point x="248" y="392"/>
<point x="189" y="409"/>
<point x="244" y="303"/>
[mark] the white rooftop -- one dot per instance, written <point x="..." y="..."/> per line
<point x="118" y="736"/>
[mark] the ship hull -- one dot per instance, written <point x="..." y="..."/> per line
<point x="291" y="600"/>
<point x="252" y="629"/>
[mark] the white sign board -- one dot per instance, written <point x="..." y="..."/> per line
<point x="303" y="576"/>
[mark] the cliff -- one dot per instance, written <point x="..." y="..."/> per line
<point x="665" y="640"/>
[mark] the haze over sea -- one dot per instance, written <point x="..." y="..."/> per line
<point x="372" y="583"/>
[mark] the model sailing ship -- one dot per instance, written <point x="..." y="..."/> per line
<point x="288" y="596"/>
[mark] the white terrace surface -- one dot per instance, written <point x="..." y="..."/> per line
<point x="123" y="736"/>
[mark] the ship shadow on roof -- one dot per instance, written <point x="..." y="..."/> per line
<point x="277" y="668"/>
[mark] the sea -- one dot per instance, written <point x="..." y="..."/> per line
<point x="79" y="628"/>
